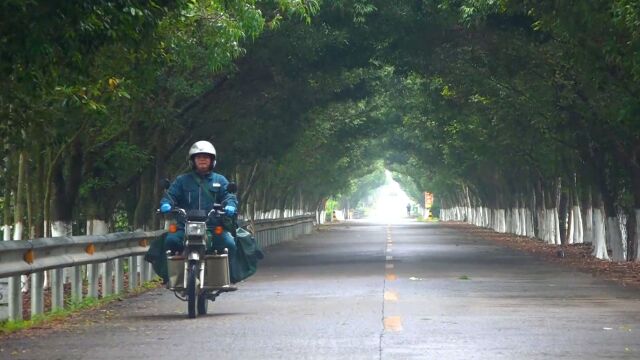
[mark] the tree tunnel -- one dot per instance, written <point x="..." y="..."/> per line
<point x="518" y="116"/>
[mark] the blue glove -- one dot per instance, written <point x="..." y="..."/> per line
<point x="165" y="208"/>
<point x="230" y="210"/>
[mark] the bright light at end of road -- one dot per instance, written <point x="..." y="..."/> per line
<point x="390" y="201"/>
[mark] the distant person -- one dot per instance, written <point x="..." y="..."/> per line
<point x="408" y="209"/>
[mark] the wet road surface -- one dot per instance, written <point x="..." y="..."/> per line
<point x="369" y="291"/>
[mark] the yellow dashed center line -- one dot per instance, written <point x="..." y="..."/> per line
<point x="393" y="323"/>
<point x="390" y="296"/>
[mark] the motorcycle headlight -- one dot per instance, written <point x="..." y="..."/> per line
<point x="196" y="228"/>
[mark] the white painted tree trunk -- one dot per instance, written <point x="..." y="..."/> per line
<point x="576" y="221"/>
<point x="588" y="225"/>
<point x="571" y="225"/>
<point x="4" y="283"/>
<point x="637" y="257"/>
<point x="477" y="217"/>
<point x="502" y="220"/>
<point x="522" y="222"/>
<point x="495" y="215"/>
<point x="59" y="229"/>
<point x="614" y="236"/>
<point x="512" y="221"/>
<point x="18" y="228"/>
<point x="556" y="226"/>
<point x="599" y="235"/>
<point x="97" y="227"/>
<point x="15" y="282"/>
<point x="542" y="229"/>
<point x="531" y="232"/>
<point x="550" y="226"/>
<point x="95" y="271"/>
<point x="508" y="226"/>
<point x="6" y="232"/>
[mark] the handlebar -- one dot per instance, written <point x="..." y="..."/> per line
<point x="217" y="209"/>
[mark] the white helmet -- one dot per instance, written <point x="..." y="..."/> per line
<point x="202" y="147"/>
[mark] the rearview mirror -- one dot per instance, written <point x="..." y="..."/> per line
<point x="165" y="183"/>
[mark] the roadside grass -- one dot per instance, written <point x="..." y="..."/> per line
<point x="73" y="306"/>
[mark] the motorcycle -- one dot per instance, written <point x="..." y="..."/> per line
<point x="196" y="276"/>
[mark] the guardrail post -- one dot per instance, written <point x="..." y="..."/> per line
<point x="144" y="272"/>
<point x="37" y="301"/>
<point x="93" y="275"/>
<point x="107" y="279"/>
<point x="76" y="283"/>
<point x="119" y="276"/>
<point x="57" y="289"/>
<point x="133" y="272"/>
<point x="15" y="298"/>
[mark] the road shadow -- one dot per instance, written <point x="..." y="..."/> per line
<point x="176" y="316"/>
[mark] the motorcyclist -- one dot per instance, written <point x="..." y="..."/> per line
<point x="199" y="189"/>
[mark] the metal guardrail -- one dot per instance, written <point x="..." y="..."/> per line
<point x="103" y="256"/>
<point x="275" y="231"/>
<point x="28" y="256"/>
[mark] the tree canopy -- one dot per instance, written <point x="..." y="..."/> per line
<point x="494" y="103"/>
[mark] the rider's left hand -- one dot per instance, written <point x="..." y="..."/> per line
<point x="230" y="210"/>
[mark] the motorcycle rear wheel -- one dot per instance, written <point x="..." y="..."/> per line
<point x="192" y="273"/>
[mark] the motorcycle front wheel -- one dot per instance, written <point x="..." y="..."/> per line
<point x="192" y="273"/>
<point x="203" y="304"/>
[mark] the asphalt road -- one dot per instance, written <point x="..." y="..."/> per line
<point x="365" y="291"/>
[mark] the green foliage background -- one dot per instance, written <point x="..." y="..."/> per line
<point x="479" y="101"/>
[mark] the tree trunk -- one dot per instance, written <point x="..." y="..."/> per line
<point x="6" y="227"/>
<point x="588" y="218"/>
<point x="634" y="236"/>
<point x="632" y="244"/>
<point x="38" y="197"/>
<point x="15" y="282"/>
<point x="18" y="227"/>
<point x="577" y="225"/>
<point x="614" y="236"/>
<point x="599" y="235"/>
<point x="66" y="189"/>
<point x="144" y="204"/>
<point x="563" y="211"/>
<point x="637" y="235"/>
